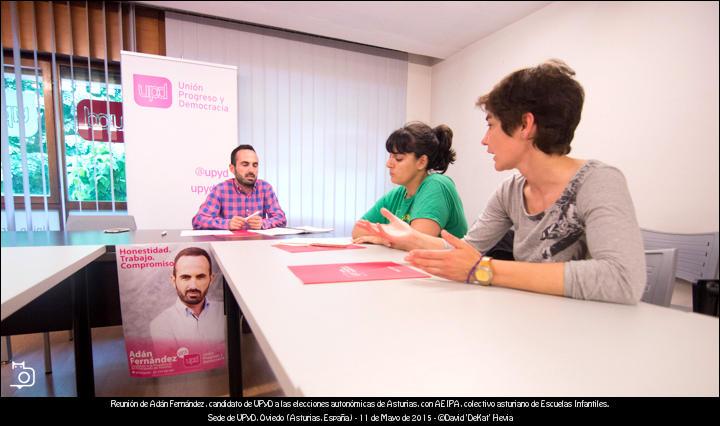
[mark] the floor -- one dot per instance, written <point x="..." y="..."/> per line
<point x="111" y="378"/>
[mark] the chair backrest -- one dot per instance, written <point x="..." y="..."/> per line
<point x="697" y="253"/>
<point x="660" y="276"/>
<point x="82" y="222"/>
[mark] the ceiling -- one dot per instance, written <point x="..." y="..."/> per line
<point x="435" y="29"/>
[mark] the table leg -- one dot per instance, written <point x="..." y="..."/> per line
<point x="84" y="373"/>
<point x="232" y="310"/>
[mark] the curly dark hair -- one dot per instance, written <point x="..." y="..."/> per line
<point x="421" y="139"/>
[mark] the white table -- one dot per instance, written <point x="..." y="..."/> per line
<point x="424" y="337"/>
<point x="28" y="272"/>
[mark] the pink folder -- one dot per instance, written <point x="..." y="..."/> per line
<point x="243" y="233"/>
<point x="348" y="272"/>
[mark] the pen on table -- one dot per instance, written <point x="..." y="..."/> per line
<point x="254" y="214"/>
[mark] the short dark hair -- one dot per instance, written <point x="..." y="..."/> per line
<point x="421" y="139"/>
<point x="192" y="251"/>
<point x="550" y="93"/>
<point x="238" y="148"/>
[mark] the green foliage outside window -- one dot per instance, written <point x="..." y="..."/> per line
<point x="37" y="157"/>
<point x="89" y="162"/>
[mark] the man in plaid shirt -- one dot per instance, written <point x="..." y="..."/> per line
<point x="243" y="202"/>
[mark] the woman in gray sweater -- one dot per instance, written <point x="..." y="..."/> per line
<point x="575" y="228"/>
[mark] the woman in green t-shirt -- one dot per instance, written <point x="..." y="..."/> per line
<point x="425" y="198"/>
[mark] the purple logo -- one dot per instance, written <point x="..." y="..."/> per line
<point x="150" y="91"/>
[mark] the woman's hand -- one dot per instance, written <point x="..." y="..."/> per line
<point x="453" y="264"/>
<point x="371" y="239"/>
<point x="396" y="234"/>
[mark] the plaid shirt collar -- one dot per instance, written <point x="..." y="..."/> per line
<point x="241" y="189"/>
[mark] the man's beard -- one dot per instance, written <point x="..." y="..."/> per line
<point x="244" y="182"/>
<point x="195" y="297"/>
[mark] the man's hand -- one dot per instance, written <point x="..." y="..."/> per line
<point x="453" y="264"/>
<point x="254" y="222"/>
<point x="236" y="222"/>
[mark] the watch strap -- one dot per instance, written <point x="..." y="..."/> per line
<point x="471" y="274"/>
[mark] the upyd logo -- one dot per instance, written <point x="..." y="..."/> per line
<point x="151" y="91"/>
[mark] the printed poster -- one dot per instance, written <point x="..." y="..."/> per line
<point x="171" y="299"/>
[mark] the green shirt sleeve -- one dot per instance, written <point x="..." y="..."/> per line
<point x="438" y="200"/>
<point x="432" y="203"/>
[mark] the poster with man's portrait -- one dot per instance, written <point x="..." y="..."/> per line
<point x="171" y="299"/>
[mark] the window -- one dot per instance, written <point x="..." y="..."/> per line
<point x="40" y="160"/>
<point x="93" y="136"/>
<point x="34" y="128"/>
<point x="73" y="156"/>
<point x="92" y="141"/>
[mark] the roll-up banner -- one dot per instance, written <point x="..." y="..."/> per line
<point x="180" y="125"/>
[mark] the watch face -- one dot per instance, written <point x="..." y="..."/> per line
<point x="482" y="275"/>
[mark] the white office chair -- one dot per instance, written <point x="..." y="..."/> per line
<point x="697" y="253"/>
<point x="661" y="265"/>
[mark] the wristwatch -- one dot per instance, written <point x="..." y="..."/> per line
<point x="483" y="271"/>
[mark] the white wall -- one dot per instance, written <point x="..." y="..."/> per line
<point x="317" y="111"/>
<point x="417" y="107"/>
<point x="650" y="73"/>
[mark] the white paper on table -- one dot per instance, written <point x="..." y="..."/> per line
<point x="277" y="231"/>
<point x="313" y="229"/>
<point x="203" y="232"/>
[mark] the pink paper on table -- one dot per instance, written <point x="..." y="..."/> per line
<point x="348" y="272"/>
<point x="306" y="248"/>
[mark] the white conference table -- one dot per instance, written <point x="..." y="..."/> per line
<point x="433" y="337"/>
<point x="29" y="272"/>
